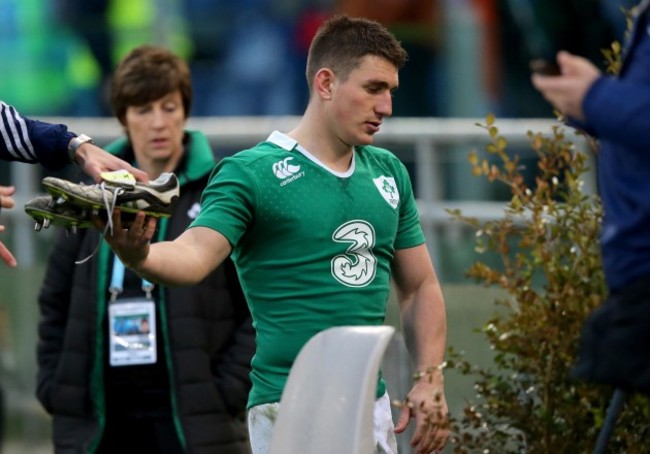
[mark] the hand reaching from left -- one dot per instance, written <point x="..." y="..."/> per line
<point x="94" y="160"/>
<point x="6" y="201"/>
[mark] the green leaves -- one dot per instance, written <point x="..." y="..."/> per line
<point x="550" y="268"/>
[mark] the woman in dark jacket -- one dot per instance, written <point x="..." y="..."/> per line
<point x="124" y="367"/>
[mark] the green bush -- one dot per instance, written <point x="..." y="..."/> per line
<point x="547" y="245"/>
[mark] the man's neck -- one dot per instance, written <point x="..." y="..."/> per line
<point x="315" y="137"/>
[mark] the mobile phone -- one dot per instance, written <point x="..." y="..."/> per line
<point x="544" y="67"/>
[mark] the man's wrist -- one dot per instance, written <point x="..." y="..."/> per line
<point x="74" y="145"/>
<point x="430" y="372"/>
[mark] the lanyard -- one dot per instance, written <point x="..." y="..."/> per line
<point x="117" y="281"/>
<point x="117" y="278"/>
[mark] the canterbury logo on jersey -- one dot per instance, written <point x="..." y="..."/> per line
<point x="286" y="171"/>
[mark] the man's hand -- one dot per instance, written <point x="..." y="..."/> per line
<point x="426" y="403"/>
<point x="131" y="245"/>
<point x="6" y="201"/>
<point x="567" y="91"/>
<point x="93" y="160"/>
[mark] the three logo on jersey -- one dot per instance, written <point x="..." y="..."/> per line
<point x="289" y="173"/>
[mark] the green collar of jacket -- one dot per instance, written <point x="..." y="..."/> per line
<point x="199" y="158"/>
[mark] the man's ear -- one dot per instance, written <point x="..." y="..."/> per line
<point x="323" y="82"/>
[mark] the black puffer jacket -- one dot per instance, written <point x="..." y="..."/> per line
<point x="206" y="328"/>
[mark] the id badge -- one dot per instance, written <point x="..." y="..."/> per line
<point x="132" y="326"/>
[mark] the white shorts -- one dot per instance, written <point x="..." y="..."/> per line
<point x="262" y="417"/>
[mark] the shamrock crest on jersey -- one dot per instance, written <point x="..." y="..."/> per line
<point x="388" y="190"/>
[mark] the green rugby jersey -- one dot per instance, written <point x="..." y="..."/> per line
<point x="313" y="247"/>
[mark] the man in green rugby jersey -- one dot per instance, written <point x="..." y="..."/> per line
<point x="318" y="221"/>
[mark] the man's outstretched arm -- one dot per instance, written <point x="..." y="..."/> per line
<point x="187" y="260"/>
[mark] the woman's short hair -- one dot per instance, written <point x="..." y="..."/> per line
<point x="146" y="74"/>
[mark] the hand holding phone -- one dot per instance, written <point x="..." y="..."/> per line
<point x="545" y="67"/>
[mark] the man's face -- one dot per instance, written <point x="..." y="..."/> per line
<point x="363" y="100"/>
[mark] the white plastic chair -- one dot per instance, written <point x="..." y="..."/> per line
<point x="328" y="402"/>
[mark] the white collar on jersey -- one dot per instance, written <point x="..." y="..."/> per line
<point x="284" y="141"/>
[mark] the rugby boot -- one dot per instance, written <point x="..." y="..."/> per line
<point x="119" y="189"/>
<point x="46" y="211"/>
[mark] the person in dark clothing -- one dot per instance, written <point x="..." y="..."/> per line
<point x="181" y="385"/>
<point x="616" y="110"/>
<point x="31" y="141"/>
<point x="53" y="145"/>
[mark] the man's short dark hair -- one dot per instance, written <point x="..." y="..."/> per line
<point x="342" y="41"/>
